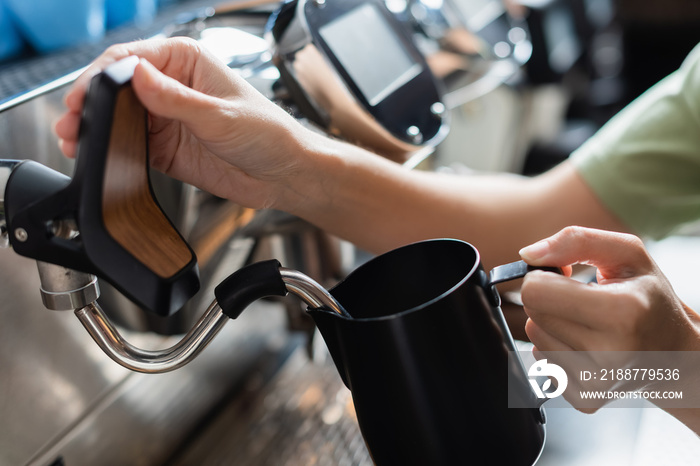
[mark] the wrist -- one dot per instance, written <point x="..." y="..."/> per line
<point x="690" y="414"/>
<point x="308" y="186"/>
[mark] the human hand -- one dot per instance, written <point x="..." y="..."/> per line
<point x="631" y="308"/>
<point x="207" y="126"/>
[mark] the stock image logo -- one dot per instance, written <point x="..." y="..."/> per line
<point x="544" y="369"/>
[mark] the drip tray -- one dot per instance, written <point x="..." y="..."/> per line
<point x="302" y="415"/>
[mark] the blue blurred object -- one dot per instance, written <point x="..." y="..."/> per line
<point x="126" y="11"/>
<point x="166" y="3"/>
<point x="10" y="40"/>
<point x="49" y="25"/>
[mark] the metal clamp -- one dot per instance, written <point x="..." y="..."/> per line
<point x="64" y="289"/>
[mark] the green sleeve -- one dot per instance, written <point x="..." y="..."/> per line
<point x="644" y="164"/>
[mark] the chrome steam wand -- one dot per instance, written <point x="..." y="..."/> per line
<point x="65" y="289"/>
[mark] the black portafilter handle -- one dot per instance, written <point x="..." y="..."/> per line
<point x="105" y="219"/>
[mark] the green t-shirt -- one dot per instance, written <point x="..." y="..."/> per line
<point x="644" y="164"/>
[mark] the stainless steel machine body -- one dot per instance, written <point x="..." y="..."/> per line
<point x="63" y="401"/>
<point x="61" y="398"/>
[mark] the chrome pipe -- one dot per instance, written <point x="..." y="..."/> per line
<point x="151" y="361"/>
<point x="310" y="291"/>
<point x="209" y="325"/>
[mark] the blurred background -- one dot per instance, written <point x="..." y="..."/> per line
<point x="266" y="392"/>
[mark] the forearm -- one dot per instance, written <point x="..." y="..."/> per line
<point x="379" y="205"/>
<point x="211" y="129"/>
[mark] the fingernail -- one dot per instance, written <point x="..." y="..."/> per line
<point x="148" y="69"/>
<point x="535" y="252"/>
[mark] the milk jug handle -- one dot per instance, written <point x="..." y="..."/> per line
<point x="511" y="271"/>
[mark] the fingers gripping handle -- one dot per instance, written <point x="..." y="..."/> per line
<point x="130" y="212"/>
<point x="511" y="271"/>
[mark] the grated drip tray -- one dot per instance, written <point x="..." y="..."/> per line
<point x="302" y="416"/>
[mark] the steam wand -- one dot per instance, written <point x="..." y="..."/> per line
<point x="65" y="289"/>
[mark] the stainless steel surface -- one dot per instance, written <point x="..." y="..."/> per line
<point x="64" y="289"/>
<point x="147" y="419"/>
<point x="29" y="77"/>
<point x="310" y="291"/>
<point x="466" y="88"/>
<point x="238" y="41"/>
<point x="51" y="373"/>
<point x="41" y="90"/>
<point x="26" y="132"/>
<point x="302" y="415"/>
<point x="62" y="397"/>
<point x="127" y="355"/>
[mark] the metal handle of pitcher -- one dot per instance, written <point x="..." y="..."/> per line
<point x="511" y="271"/>
<point x="504" y="273"/>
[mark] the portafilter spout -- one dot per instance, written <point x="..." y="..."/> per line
<point x="64" y="289"/>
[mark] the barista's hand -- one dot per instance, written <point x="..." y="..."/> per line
<point x="208" y="127"/>
<point x="632" y="307"/>
<point x="631" y="310"/>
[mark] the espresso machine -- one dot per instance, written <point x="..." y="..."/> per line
<point x="67" y="402"/>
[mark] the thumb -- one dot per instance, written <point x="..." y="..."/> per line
<point x="166" y="97"/>
<point x="616" y="255"/>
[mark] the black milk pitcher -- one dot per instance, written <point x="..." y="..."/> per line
<point x="418" y="336"/>
<point x="425" y="355"/>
